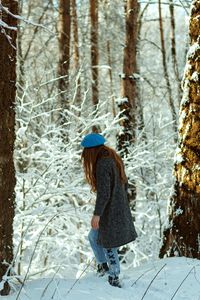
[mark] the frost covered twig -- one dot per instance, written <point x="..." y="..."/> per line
<point x="33" y="253"/>
<point x="8" y="37"/>
<point x="2" y="8"/>
<point x="5" y="25"/>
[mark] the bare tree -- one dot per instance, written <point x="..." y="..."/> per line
<point x="182" y="236"/>
<point x="8" y="35"/>
<point x="173" y="48"/>
<point x="128" y="78"/>
<point x="109" y="60"/>
<point x="94" y="50"/>
<point x="165" y="70"/>
<point x="128" y="104"/>
<point x="140" y="105"/>
<point x="76" y="55"/>
<point x="64" y="29"/>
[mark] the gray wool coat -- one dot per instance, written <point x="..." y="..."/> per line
<point x="116" y="226"/>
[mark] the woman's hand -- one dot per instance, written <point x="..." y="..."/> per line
<point x="95" y="222"/>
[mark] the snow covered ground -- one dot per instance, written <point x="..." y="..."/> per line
<point x="166" y="279"/>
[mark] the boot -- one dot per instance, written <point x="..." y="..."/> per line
<point x="102" y="269"/>
<point x="114" y="281"/>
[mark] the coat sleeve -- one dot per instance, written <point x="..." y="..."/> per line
<point x="103" y="181"/>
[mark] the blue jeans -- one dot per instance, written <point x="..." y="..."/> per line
<point x="102" y="255"/>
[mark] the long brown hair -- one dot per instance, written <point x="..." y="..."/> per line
<point x="89" y="158"/>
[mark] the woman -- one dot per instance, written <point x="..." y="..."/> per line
<point x="112" y="224"/>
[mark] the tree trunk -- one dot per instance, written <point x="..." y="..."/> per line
<point x="20" y="71"/>
<point x="173" y="50"/>
<point x="109" y="60"/>
<point x="7" y="137"/>
<point x="76" y="66"/>
<point x="165" y="70"/>
<point x="94" y="50"/>
<point x="182" y="236"/>
<point x="64" y="55"/>
<point x="140" y="105"/>
<point x="127" y="104"/>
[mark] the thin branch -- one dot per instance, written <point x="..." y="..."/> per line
<point x="9" y="39"/>
<point x="36" y="30"/>
<point x="87" y="266"/>
<point x="182" y="282"/>
<point x="141" y="276"/>
<point x="2" y="8"/>
<point x="152" y="281"/>
<point x="33" y="253"/>
<point x="152" y="43"/>
<point x="5" y="25"/>
<point x="165" y="3"/>
<point x="48" y="284"/>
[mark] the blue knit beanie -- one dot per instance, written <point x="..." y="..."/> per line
<point x="93" y="140"/>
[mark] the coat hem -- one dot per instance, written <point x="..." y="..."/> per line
<point x="119" y="244"/>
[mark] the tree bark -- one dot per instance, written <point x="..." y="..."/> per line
<point x="173" y="50"/>
<point x="76" y="55"/>
<point x="21" y="72"/>
<point x="182" y="236"/>
<point x="7" y="137"/>
<point x="140" y="106"/>
<point x="109" y="60"/>
<point x="165" y="70"/>
<point x="127" y="104"/>
<point x="94" y="50"/>
<point x="64" y="29"/>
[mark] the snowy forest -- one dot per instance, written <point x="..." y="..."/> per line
<point x="130" y="70"/>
